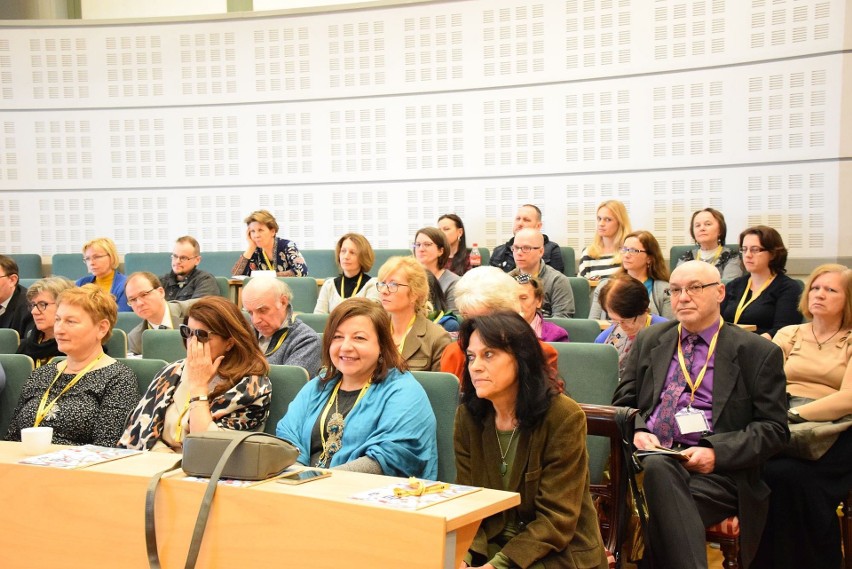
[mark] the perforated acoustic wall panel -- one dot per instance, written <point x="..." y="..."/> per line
<point x="380" y="120"/>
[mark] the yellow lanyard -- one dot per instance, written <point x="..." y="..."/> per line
<point x="647" y="320"/>
<point x="44" y="407"/>
<point x="357" y="286"/>
<point x="693" y="387"/>
<point x="333" y="399"/>
<point x="179" y="426"/>
<point x="407" y="330"/>
<point x="711" y="260"/>
<point x="269" y="264"/>
<point x="437" y="318"/>
<point x="743" y="304"/>
<point x="278" y="345"/>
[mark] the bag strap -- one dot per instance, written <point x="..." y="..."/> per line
<point x="625" y="417"/>
<point x="150" y="520"/>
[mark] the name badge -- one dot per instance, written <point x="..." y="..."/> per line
<point x="691" y="420"/>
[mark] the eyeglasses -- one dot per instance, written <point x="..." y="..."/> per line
<point x="182" y="259"/>
<point x="632" y="251"/>
<point x="40" y="306"/>
<point x="186" y="333"/>
<point x="624" y="321"/>
<point x="91" y="258"/>
<point x="523" y="248"/>
<point x="752" y="250"/>
<point x="390" y="287"/>
<point x="5" y="276"/>
<point x="138" y="297"/>
<point x="423" y="245"/>
<point x="691" y="290"/>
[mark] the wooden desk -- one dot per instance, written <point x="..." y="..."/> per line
<point x="94" y="517"/>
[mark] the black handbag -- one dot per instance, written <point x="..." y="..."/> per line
<point x="239" y="455"/>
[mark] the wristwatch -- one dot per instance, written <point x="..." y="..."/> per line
<point x="794" y="417"/>
<point x="198" y="398"/>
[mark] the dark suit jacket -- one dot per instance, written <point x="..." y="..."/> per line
<point x="551" y="472"/>
<point x="178" y="310"/>
<point x="17" y="315"/>
<point x="503" y="258"/>
<point x="749" y="409"/>
<point x="424" y="345"/>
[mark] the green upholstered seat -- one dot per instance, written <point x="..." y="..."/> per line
<point x="144" y="369"/>
<point x="9" y="342"/>
<point x="590" y="371"/>
<point x="68" y="265"/>
<point x="17" y="368"/>
<point x="157" y="263"/>
<point x="116" y="346"/>
<point x="443" y="392"/>
<point x="582" y="296"/>
<point x="579" y="329"/>
<point x="29" y="265"/>
<point x="321" y="263"/>
<point x="164" y="345"/>
<point x="315" y="321"/>
<point x="287" y="381"/>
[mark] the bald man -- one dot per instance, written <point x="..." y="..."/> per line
<point x="724" y="408"/>
<point x="528" y="217"/>
<point x="528" y="250"/>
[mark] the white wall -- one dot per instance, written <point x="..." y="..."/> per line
<point x="379" y="120"/>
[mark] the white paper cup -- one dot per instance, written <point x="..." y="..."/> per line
<point x="36" y="440"/>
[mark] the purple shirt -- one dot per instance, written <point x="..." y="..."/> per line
<point x="703" y="395"/>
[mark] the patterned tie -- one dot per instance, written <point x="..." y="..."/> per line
<point x="665" y="426"/>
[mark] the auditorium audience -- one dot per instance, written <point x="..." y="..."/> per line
<point x="459" y="260"/>
<point x="431" y="251"/>
<point x="642" y="259"/>
<point x="266" y="251"/>
<point x="354" y="257"/>
<point x="403" y="290"/>
<point x="38" y="340"/>
<point x="186" y="281"/>
<point x="528" y="248"/>
<point x="222" y="383"/>
<point x="801" y="529"/>
<point x="364" y="412"/>
<point x="531" y="295"/>
<point x="625" y="301"/>
<point x="147" y="298"/>
<point x="528" y="217"/>
<point x="14" y="313"/>
<point x="102" y="261"/>
<point x="514" y="431"/>
<point x="764" y="296"/>
<point x="708" y="229"/>
<point x="86" y="397"/>
<point x="283" y="338"/>
<point x="603" y="256"/>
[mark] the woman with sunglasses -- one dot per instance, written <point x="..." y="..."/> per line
<point x="38" y="340"/>
<point x="531" y="295"/>
<point x="626" y="303"/>
<point x="364" y="412"/>
<point x="765" y="296"/>
<point x="86" y="397"/>
<point x="403" y="291"/>
<point x="222" y="383"/>
<point x="642" y="259"/>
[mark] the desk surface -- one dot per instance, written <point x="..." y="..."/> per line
<point x="94" y="517"/>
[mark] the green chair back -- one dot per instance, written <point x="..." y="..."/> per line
<point x="29" y="265"/>
<point x="443" y="392"/>
<point x="127" y="321"/>
<point x="116" y="347"/>
<point x="316" y="321"/>
<point x="27" y="283"/>
<point x="219" y="263"/>
<point x="157" y="263"/>
<point x="579" y="329"/>
<point x="382" y="255"/>
<point x="486" y="256"/>
<point x="68" y="265"/>
<point x="9" y="342"/>
<point x="145" y="370"/>
<point x="164" y="345"/>
<point x="582" y="296"/>
<point x="224" y="288"/>
<point x="321" y="263"/>
<point x="17" y="368"/>
<point x="590" y="371"/>
<point x="304" y="289"/>
<point x="286" y="383"/>
<point x="570" y="261"/>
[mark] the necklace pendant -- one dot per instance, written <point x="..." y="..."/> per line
<point x="503" y="468"/>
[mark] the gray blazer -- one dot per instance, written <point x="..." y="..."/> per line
<point x="178" y="309"/>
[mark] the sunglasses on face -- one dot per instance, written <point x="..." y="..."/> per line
<point x="186" y="333"/>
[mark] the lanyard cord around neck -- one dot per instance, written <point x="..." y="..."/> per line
<point x="407" y="330"/>
<point x="743" y="304"/>
<point x="44" y="407"/>
<point x="333" y="400"/>
<point x="693" y="387"/>
<point x="357" y="286"/>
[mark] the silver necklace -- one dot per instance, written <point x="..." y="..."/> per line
<point x="503" y="466"/>
<point x="821" y="344"/>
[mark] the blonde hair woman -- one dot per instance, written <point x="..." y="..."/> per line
<point x="602" y="257"/>
<point x="403" y="291"/>
<point x="101" y="258"/>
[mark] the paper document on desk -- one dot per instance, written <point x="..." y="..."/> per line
<point x="387" y="495"/>
<point x="79" y="457"/>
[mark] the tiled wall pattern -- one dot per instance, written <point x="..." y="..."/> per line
<point x="380" y="120"/>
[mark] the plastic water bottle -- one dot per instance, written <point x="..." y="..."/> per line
<point x="475" y="256"/>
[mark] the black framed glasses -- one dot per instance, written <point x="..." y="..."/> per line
<point x="524" y="248"/>
<point x="138" y="297"/>
<point x="390" y="287"/>
<point x="41" y="306"/>
<point x="182" y="258"/>
<point x="691" y="290"/>
<point x="753" y="250"/>
<point x="186" y="333"/>
<point x="632" y="251"/>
